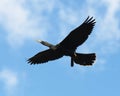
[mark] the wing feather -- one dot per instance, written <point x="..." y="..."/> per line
<point x="45" y="56"/>
<point x="79" y="35"/>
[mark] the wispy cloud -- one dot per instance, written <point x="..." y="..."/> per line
<point x="19" y="22"/>
<point x="10" y="81"/>
<point x="108" y="25"/>
<point x="31" y="19"/>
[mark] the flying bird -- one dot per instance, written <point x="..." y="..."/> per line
<point x="68" y="47"/>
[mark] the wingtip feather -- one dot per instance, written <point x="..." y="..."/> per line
<point x="90" y="20"/>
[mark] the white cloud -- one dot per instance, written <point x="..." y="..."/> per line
<point x="110" y="29"/>
<point x="107" y="25"/>
<point x="18" y="21"/>
<point x="10" y="81"/>
<point x="22" y="22"/>
<point x="65" y="15"/>
<point x="44" y="5"/>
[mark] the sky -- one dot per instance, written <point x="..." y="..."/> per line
<point x="22" y="22"/>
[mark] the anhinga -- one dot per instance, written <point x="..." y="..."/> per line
<point x="68" y="47"/>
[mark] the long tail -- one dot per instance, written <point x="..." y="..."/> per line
<point x="84" y="59"/>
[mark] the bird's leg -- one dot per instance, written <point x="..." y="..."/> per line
<point x="51" y="46"/>
<point x="72" y="62"/>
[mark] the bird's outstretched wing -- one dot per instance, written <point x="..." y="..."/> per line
<point x="79" y="35"/>
<point x="45" y="56"/>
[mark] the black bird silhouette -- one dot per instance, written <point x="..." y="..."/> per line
<point x="68" y="47"/>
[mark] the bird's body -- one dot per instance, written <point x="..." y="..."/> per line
<point x="68" y="47"/>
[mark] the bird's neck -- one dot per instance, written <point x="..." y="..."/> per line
<point x="51" y="46"/>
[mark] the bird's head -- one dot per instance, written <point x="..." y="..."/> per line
<point x="39" y="41"/>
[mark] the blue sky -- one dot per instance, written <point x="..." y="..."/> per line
<point x="24" y="21"/>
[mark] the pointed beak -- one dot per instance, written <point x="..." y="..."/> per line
<point x="39" y="41"/>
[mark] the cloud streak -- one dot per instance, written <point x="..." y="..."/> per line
<point x="108" y="25"/>
<point x="10" y="81"/>
<point x="18" y="22"/>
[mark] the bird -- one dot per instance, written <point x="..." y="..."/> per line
<point x="68" y="46"/>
